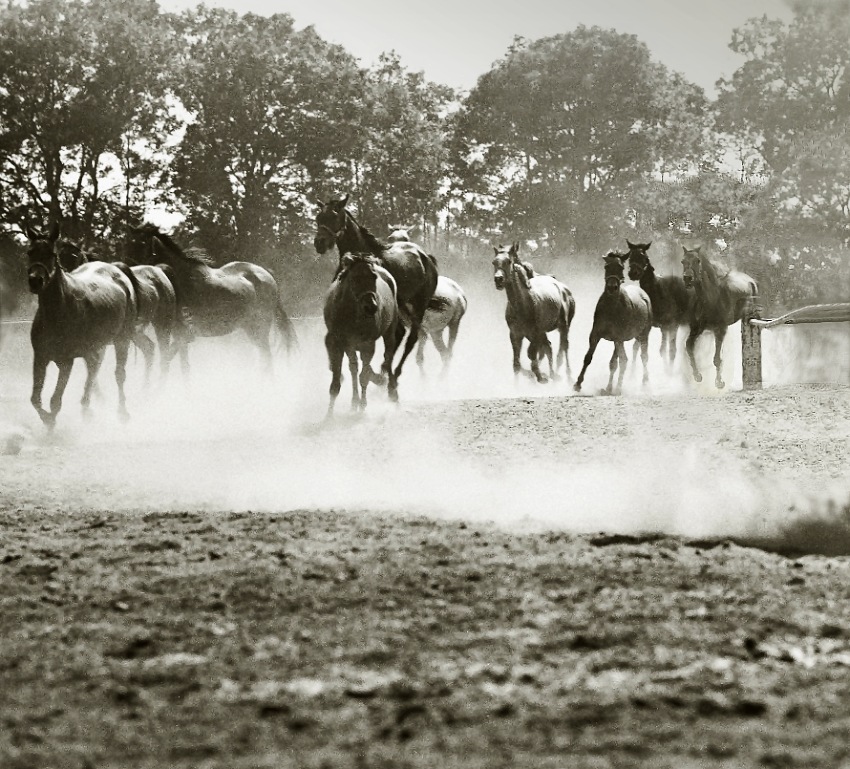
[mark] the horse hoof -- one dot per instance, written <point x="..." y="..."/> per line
<point x="577" y="387"/>
<point x="720" y="384"/>
<point x="697" y="377"/>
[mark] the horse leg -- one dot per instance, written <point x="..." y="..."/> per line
<point x="353" y="368"/>
<point x="672" y="333"/>
<point x="367" y="352"/>
<point x="623" y="357"/>
<point x="594" y="341"/>
<point x="143" y="342"/>
<point x="516" y="346"/>
<point x="335" y="355"/>
<point x="39" y="371"/>
<point x="612" y="368"/>
<point x="636" y="350"/>
<point x="392" y="339"/>
<point x="56" y="399"/>
<point x="122" y="349"/>
<point x="534" y="350"/>
<point x="445" y="354"/>
<point x="644" y="357"/>
<point x="412" y="337"/>
<point x="453" y="327"/>
<point x="164" y="342"/>
<point x="545" y="349"/>
<point x="420" y="351"/>
<point x="689" y="347"/>
<point x="719" y="336"/>
<point x="93" y="363"/>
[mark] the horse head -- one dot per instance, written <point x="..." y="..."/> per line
<point x="359" y="271"/>
<point x="70" y="254"/>
<point x="692" y="265"/>
<point x="615" y="268"/>
<point x="503" y="260"/>
<point x="138" y="248"/>
<point x="638" y="259"/>
<point x="400" y="233"/>
<point x="330" y="223"/>
<point x="42" y="262"/>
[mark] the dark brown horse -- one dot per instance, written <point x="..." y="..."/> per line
<point x="215" y="301"/>
<point x="157" y="306"/>
<point x="78" y="315"/>
<point x="623" y="312"/>
<point x="670" y="298"/>
<point x="721" y="297"/>
<point x="414" y="271"/>
<point x="537" y="304"/>
<point x="360" y="308"/>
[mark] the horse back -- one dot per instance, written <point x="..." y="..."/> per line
<point x="415" y="271"/>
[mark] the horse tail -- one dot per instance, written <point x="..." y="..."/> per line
<point x="133" y="316"/>
<point x="285" y="326"/>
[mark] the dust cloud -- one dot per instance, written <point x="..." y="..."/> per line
<point x="228" y="438"/>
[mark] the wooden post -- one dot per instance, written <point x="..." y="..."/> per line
<point x="751" y="346"/>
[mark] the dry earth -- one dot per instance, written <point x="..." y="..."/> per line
<point x="539" y="580"/>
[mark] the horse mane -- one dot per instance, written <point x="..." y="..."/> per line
<point x="192" y="254"/>
<point x="714" y="269"/>
<point x="372" y="241"/>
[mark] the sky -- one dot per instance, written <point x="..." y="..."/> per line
<point x="454" y="42"/>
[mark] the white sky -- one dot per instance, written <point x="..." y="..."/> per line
<point x="456" y="41"/>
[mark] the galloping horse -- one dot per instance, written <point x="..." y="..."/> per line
<point x="78" y="315"/>
<point x="671" y="301"/>
<point x="360" y="308"/>
<point x="445" y="310"/>
<point x="622" y="312"/>
<point x="217" y="301"/>
<point x="721" y="297"/>
<point x="537" y="304"/>
<point x="156" y="305"/>
<point x="414" y="271"/>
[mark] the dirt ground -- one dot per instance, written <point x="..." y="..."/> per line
<point x="491" y="574"/>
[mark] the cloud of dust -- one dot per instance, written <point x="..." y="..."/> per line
<point x="229" y="439"/>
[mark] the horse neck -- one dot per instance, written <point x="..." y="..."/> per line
<point x="518" y="293"/>
<point x="708" y="287"/>
<point x="649" y="280"/>
<point x="353" y="241"/>
<point x="53" y="301"/>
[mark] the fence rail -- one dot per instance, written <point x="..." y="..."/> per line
<point x="752" y="327"/>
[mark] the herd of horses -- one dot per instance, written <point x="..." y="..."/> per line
<point x="389" y="290"/>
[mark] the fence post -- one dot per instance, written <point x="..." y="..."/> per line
<point x="751" y="346"/>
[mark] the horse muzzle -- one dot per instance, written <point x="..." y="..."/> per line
<point x="323" y="244"/>
<point x="369" y="305"/>
<point x="37" y="278"/>
<point x="688" y="280"/>
<point x="499" y="281"/>
<point x="635" y="273"/>
<point x="612" y="285"/>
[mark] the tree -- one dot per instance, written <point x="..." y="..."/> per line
<point x="80" y="87"/>
<point x="404" y="158"/>
<point x="549" y="140"/>
<point x="272" y="117"/>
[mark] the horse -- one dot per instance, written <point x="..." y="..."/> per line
<point x="670" y="298"/>
<point x="721" y="297"/>
<point x="623" y="312"/>
<point x="414" y="271"/>
<point x="216" y="301"/>
<point x="537" y="304"/>
<point x="361" y="307"/>
<point x="445" y="311"/>
<point x="78" y="315"/>
<point x="157" y="306"/>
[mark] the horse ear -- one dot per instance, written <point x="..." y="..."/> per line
<point x="495" y="250"/>
<point x="515" y="247"/>
<point x="630" y="244"/>
<point x="344" y="201"/>
<point x="647" y="245"/>
<point x="32" y="234"/>
<point x="319" y="203"/>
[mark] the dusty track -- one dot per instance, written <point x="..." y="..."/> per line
<point x="471" y="579"/>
